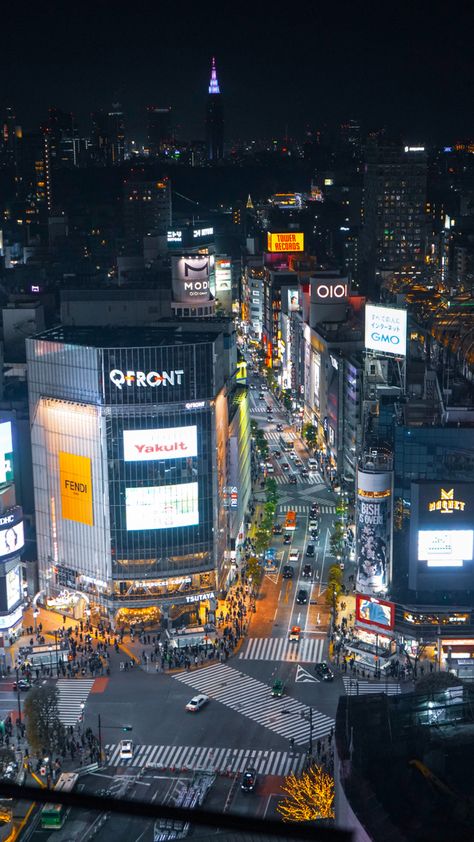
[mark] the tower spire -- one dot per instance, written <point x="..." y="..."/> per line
<point x="214" y="84"/>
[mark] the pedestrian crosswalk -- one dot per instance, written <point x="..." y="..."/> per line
<point x="312" y="479"/>
<point x="324" y="509"/>
<point x="354" y="687"/>
<point x="275" y="436"/>
<point x="286" y="716"/>
<point x="235" y="760"/>
<point x="309" y="649"/>
<point x="72" y="693"/>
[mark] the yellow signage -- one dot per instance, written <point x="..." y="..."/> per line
<point x="446" y="504"/>
<point x="75" y="477"/>
<point x="287" y="241"/>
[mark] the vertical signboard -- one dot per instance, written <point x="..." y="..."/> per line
<point x="374" y="519"/>
<point x="75" y="477"/>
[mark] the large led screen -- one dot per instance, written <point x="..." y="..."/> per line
<point x="13" y="587"/>
<point x="165" y="443"/>
<point x="6" y="452"/>
<point x="12" y="540"/>
<point x="162" y="507"/>
<point x="375" y="612"/>
<point x="445" y="548"/>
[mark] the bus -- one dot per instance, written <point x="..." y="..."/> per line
<point x="53" y="816"/>
<point x="290" y="521"/>
<point x="286" y="444"/>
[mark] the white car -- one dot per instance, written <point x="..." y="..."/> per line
<point x="126" y="750"/>
<point x="313" y="523"/>
<point x="197" y="703"/>
<point x="294" y="556"/>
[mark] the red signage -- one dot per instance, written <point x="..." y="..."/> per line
<point x="375" y="612"/>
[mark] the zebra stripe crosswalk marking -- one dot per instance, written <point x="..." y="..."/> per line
<point x="253" y="699"/>
<point x="309" y="649"/>
<point x="324" y="509"/>
<point x="265" y="761"/>
<point x="354" y="687"/>
<point x="72" y="692"/>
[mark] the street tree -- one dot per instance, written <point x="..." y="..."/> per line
<point x="44" y="729"/>
<point x="310" y="434"/>
<point x="436" y="682"/>
<point x="254" y="570"/>
<point x="334" y="587"/>
<point x="310" y="797"/>
<point x="287" y="400"/>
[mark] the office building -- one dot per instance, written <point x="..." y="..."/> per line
<point x="141" y="469"/>
<point x="159" y="129"/>
<point x="393" y="232"/>
<point x="108" y="136"/>
<point x="146" y="207"/>
<point x="214" y="118"/>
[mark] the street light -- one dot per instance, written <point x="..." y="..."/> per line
<point x="18" y="694"/>
<point x="35" y="617"/>
<point x="56" y="652"/>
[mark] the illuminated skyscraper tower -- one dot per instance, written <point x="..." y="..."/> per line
<point x="214" y="119"/>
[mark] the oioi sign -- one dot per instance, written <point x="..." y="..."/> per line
<point x="386" y="330"/>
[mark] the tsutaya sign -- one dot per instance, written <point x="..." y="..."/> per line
<point x="146" y="378"/>
<point x="200" y="597"/>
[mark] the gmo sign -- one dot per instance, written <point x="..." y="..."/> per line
<point x="385" y="329"/>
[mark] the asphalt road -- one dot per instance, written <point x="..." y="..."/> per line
<point x="153" y="704"/>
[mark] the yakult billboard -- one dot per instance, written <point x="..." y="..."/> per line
<point x="386" y="330"/>
<point x="168" y="443"/>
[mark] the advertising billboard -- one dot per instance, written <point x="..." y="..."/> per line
<point x="375" y="612"/>
<point x="374" y="526"/>
<point x="386" y="330"/>
<point x="165" y="443"/>
<point x="442" y="535"/>
<point x="162" y="507"/>
<point x="13" y="586"/>
<point x="293" y="301"/>
<point x="12" y="539"/>
<point x="190" y="277"/>
<point x="75" y="478"/>
<point x="223" y="272"/>
<point x="6" y="452"/>
<point x="286" y="241"/>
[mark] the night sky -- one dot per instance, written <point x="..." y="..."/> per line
<point x="404" y="65"/>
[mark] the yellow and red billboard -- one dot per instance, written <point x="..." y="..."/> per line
<point x="286" y="241"/>
<point x="75" y="477"/>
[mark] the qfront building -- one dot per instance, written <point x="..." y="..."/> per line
<point x="141" y="470"/>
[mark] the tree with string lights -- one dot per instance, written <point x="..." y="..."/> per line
<point x="310" y="797"/>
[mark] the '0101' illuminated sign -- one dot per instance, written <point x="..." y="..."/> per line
<point x="446" y="503"/>
<point x="330" y="292"/>
<point x="143" y="379"/>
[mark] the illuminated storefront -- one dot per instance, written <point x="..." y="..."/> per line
<point x="130" y="443"/>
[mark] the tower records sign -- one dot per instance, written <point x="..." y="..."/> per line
<point x="190" y="273"/>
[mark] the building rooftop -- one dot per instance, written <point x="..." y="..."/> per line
<point x="182" y="333"/>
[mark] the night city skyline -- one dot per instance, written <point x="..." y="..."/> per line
<point x="408" y="72"/>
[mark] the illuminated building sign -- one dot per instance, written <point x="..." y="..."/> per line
<point x="241" y="373"/>
<point x="331" y="291"/>
<point x="202" y="232"/>
<point x="284" y="242"/>
<point x="190" y="277"/>
<point x="167" y="443"/>
<point x="375" y="612"/>
<point x="75" y="479"/>
<point x="142" y="379"/>
<point x="200" y="597"/>
<point x="174" y="236"/>
<point x="386" y="330"/>
<point x="162" y="506"/>
<point x="446" y="504"/>
<point x="6" y="452"/>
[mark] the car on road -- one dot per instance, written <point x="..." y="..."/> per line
<point x="23" y="684"/>
<point x="288" y="571"/>
<point x="294" y="556"/>
<point x="293" y="479"/>
<point x="314" y="534"/>
<point x="287" y="538"/>
<point x="294" y="636"/>
<point x="276" y="453"/>
<point x="307" y="571"/>
<point x="264" y="388"/>
<point x="126" y="750"/>
<point x="197" y="702"/>
<point x="310" y="550"/>
<point x="298" y="464"/>
<point x="285" y="466"/>
<point x="253" y="386"/>
<point x="261" y="396"/>
<point x="280" y="428"/>
<point x="249" y="780"/>
<point x="278" y="688"/>
<point x="323" y="672"/>
<point x="313" y="523"/>
<point x="314" y="510"/>
<point x="304" y="472"/>
<point x="302" y="597"/>
<point x="277" y="529"/>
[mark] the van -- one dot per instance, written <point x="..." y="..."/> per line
<point x="312" y="465"/>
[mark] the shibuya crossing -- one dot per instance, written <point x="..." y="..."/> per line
<point x="141" y="464"/>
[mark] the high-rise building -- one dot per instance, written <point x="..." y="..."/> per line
<point x="214" y="118"/>
<point x="108" y="136"/>
<point x="64" y="138"/>
<point x="393" y="233"/>
<point x="146" y="207"/>
<point x="159" y="128"/>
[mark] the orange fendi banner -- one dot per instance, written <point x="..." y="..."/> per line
<point x="75" y="477"/>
